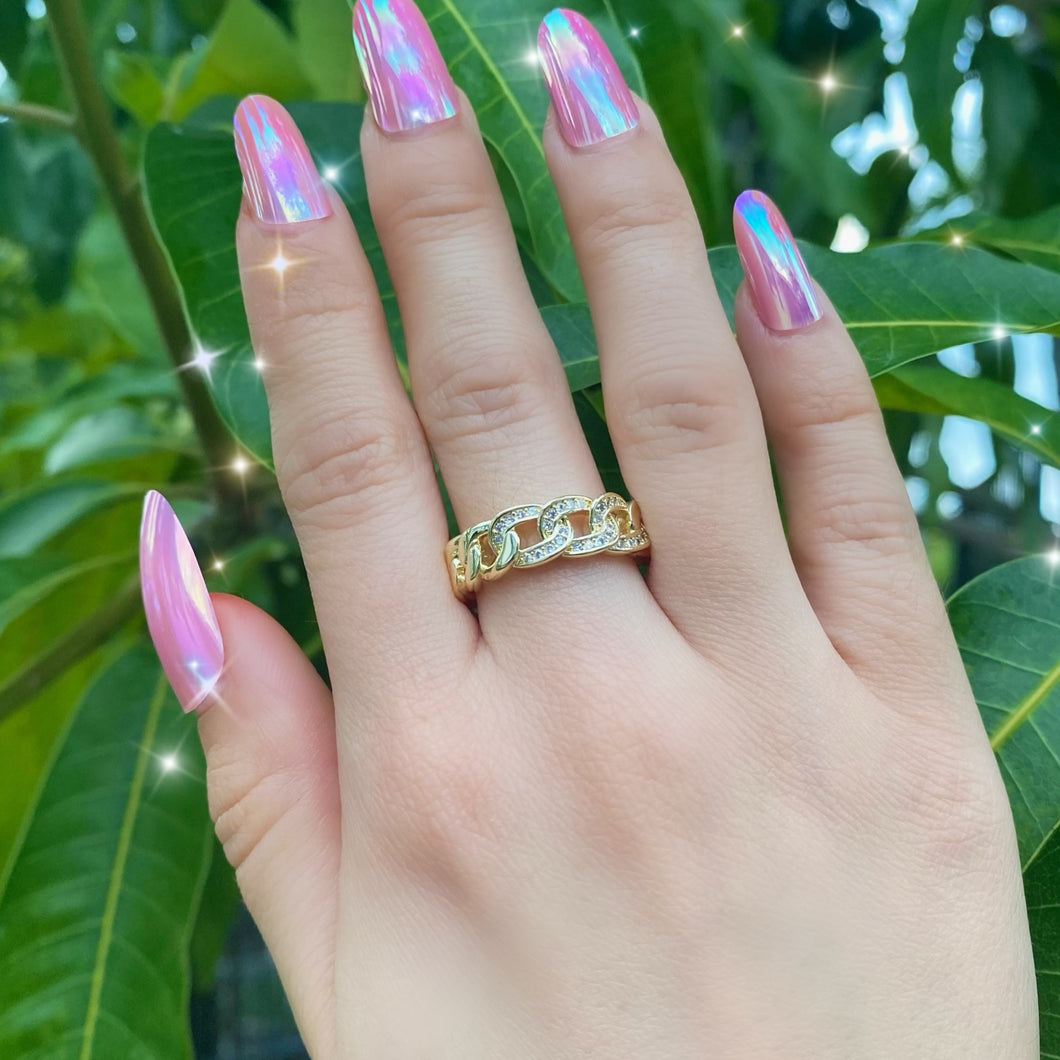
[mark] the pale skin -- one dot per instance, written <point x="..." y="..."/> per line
<point x="743" y="807"/>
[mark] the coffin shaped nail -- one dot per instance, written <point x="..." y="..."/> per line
<point x="780" y="285"/>
<point x="591" y="97"/>
<point x="404" y="71"/>
<point x="281" y="182"/>
<point x="180" y="616"/>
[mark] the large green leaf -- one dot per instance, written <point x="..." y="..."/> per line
<point x="1007" y="625"/>
<point x="935" y="390"/>
<point x="1041" y="886"/>
<point x="97" y="906"/>
<point x="901" y="302"/>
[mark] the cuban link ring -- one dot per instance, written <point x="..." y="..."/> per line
<point x="487" y="551"/>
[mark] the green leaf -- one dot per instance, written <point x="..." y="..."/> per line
<point x="1035" y="240"/>
<point x="25" y="582"/>
<point x="571" y="328"/>
<point x="1010" y="111"/>
<point x="1007" y="625"/>
<point x="248" y="51"/>
<point x="111" y="434"/>
<point x="1041" y="888"/>
<point x="30" y="519"/>
<point x="323" y="29"/>
<point x="135" y="81"/>
<point x="97" y="906"/>
<point x="930" y="46"/>
<point x="940" y="392"/>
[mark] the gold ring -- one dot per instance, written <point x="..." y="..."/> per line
<point x="489" y="550"/>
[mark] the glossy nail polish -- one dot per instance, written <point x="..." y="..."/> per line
<point x="179" y="613"/>
<point x="404" y="71"/>
<point x="780" y="285"/>
<point x="591" y="98"/>
<point x="279" y="177"/>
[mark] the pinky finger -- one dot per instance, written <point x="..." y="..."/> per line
<point x="268" y="732"/>
<point x="852" y="531"/>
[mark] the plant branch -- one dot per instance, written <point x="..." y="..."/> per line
<point x="37" y="114"/>
<point x="73" y="646"/>
<point x="96" y="131"/>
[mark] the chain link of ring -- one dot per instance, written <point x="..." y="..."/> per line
<point x="488" y="551"/>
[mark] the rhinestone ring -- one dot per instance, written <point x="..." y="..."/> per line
<point x="573" y="527"/>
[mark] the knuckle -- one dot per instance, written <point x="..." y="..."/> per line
<point x="815" y="410"/>
<point x="625" y="219"/>
<point x="342" y="464"/>
<point x="247" y="805"/>
<point x="487" y="397"/>
<point x="884" y="527"/>
<point x="670" y="412"/>
<point x="439" y="213"/>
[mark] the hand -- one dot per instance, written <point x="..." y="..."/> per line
<point x="743" y="808"/>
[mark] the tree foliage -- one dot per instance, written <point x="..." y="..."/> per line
<point x="118" y="284"/>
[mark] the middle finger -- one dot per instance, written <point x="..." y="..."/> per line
<point x="487" y="383"/>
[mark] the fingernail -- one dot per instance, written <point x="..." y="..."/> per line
<point x="280" y="179"/>
<point x="179" y="613"/>
<point x="591" y="98"/>
<point x="406" y="76"/>
<point x="780" y="285"/>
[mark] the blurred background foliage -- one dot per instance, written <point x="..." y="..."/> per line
<point x="918" y="140"/>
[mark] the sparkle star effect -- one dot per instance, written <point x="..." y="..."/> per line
<point x="169" y="763"/>
<point x="827" y="83"/>
<point x="259" y="364"/>
<point x="201" y="359"/>
<point x="218" y="564"/>
<point x="737" y="31"/>
<point x="1053" y="557"/>
<point x="280" y="264"/>
<point x="635" y="32"/>
<point x="957" y="239"/>
<point x="999" y="333"/>
<point x="331" y="174"/>
<point x="531" y="58"/>
<point x="241" y="465"/>
<point x="1036" y="428"/>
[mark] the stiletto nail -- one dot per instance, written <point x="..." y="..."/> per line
<point x="180" y="616"/>
<point x="591" y="98"/>
<point x="406" y="76"/>
<point x="280" y="179"/>
<point x="780" y="285"/>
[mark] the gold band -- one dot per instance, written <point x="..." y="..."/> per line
<point x="489" y="550"/>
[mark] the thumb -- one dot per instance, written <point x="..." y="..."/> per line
<point x="268" y="731"/>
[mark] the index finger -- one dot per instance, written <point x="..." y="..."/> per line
<point x="352" y="462"/>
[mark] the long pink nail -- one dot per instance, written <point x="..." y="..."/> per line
<point x="407" y="79"/>
<point x="179" y="613"/>
<point x="591" y="98"/>
<point x="280" y="179"/>
<point x="780" y="285"/>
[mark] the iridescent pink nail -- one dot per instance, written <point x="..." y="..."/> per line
<point x="179" y="613"/>
<point x="407" y="79"/>
<point x="780" y="285"/>
<point x="591" y="98"/>
<point x="280" y="179"/>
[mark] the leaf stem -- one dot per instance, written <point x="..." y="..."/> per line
<point x="77" y="643"/>
<point x="93" y="125"/>
<point x="37" y="114"/>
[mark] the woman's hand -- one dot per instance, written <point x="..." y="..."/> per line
<point x="745" y="808"/>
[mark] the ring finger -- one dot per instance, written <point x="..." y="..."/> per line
<point x="487" y="383"/>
